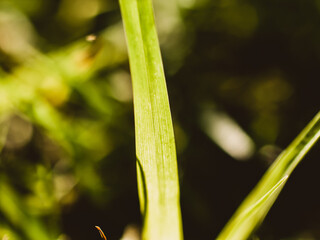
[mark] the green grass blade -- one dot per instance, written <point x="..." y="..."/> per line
<point x="155" y="147"/>
<point x="257" y="204"/>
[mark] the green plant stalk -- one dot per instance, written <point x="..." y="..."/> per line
<point x="158" y="182"/>
<point x="241" y="225"/>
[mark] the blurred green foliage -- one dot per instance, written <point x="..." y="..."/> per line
<point x="66" y="122"/>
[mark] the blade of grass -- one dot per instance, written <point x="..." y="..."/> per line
<point x="158" y="182"/>
<point x="239" y="227"/>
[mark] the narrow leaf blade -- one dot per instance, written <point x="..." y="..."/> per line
<point x="155" y="147"/>
<point x="238" y="226"/>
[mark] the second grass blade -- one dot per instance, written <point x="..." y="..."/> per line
<point x="257" y="204"/>
<point x="155" y="147"/>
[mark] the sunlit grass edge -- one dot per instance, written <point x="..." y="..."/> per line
<point x="245" y="220"/>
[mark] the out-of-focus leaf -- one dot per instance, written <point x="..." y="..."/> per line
<point x="13" y="209"/>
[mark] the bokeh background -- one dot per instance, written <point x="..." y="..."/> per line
<point x="242" y="79"/>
